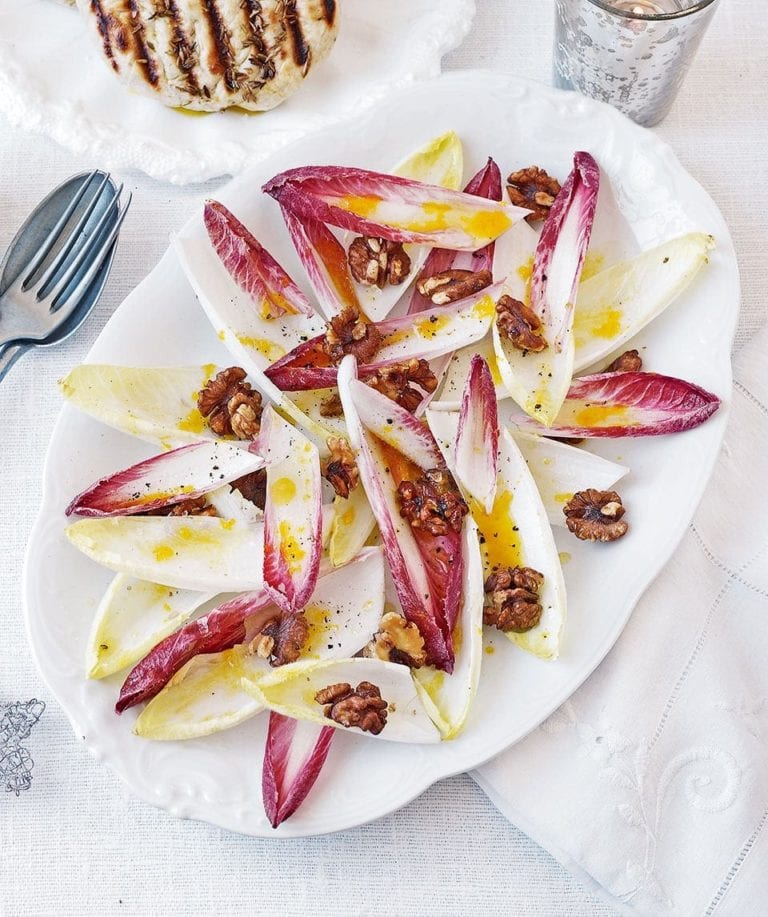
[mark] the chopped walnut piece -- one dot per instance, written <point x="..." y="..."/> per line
<point x="520" y="324"/>
<point x="449" y="286"/>
<point x="196" y="507"/>
<point x="513" y="594"/>
<point x="432" y="502"/>
<point x="629" y="362"/>
<point x="349" y="333"/>
<point x="534" y="189"/>
<point x="231" y="405"/>
<point x="331" y="406"/>
<point x="394" y="382"/>
<point x="398" y="641"/>
<point x="376" y="262"/>
<point x="288" y="635"/>
<point x="363" y="707"/>
<point x="596" y="515"/>
<point x="340" y="470"/>
<point x="252" y="486"/>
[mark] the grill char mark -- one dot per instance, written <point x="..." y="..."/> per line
<point x="182" y="47"/>
<point x="301" y="51"/>
<point x="143" y="58"/>
<point x="329" y="8"/>
<point x="223" y="62"/>
<point x="103" y="22"/>
<point x="260" y="56"/>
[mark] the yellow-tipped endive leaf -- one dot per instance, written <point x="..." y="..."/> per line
<point x="238" y="320"/>
<point x="185" y="473"/>
<point x="186" y="552"/>
<point x="158" y="405"/>
<point x="558" y="470"/>
<point x="539" y="382"/>
<point x="293" y="514"/>
<point x="353" y="522"/>
<point x="291" y="690"/>
<point x="207" y="696"/>
<point x="439" y="162"/>
<point x="132" y="617"/>
<point x="203" y="697"/>
<point x="561" y="470"/>
<point x="392" y="207"/>
<point x="448" y="698"/>
<point x="517" y="533"/>
<point x="615" y="304"/>
<point x="254" y="339"/>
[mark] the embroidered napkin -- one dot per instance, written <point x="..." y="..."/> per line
<point x="651" y="782"/>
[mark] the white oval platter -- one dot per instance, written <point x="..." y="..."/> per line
<point x="218" y="778"/>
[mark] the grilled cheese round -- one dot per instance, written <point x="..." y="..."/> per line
<point x="207" y="55"/>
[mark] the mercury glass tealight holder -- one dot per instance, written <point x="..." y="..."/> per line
<point x="633" y="54"/>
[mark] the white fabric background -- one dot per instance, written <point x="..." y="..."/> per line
<point x="76" y="843"/>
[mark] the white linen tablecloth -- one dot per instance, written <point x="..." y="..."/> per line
<point x="76" y="843"/>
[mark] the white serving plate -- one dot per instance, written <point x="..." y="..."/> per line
<point x="76" y="99"/>
<point x="218" y="778"/>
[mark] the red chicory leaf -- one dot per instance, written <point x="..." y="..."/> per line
<point x="293" y="758"/>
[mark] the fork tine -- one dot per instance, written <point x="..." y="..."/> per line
<point x="82" y="256"/>
<point x="50" y="240"/>
<point x="95" y="266"/>
<point x="66" y="248"/>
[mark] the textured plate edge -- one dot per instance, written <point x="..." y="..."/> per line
<point x="427" y="776"/>
<point x="83" y="137"/>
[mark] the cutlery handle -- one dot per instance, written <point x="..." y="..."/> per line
<point x="9" y="355"/>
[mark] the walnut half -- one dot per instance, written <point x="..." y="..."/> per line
<point x="629" y="362"/>
<point x="340" y="469"/>
<point x="450" y="286"/>
<point x="397" y="640"/>
<point x="282" y="639"/>
<point x="231" y="405"/>
<point x="535" y="189"/>
<point x="596" y="515"/>
<point x="347" y="333"/>
<point x="432" y="502"/>
<point x="513" y="599"/>
<point x="362" y="707"/>
<point x="520" y="324"/>
<point x="195" y="507"/>
<point x="376" y="262"/>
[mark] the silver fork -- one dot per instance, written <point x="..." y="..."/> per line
<point x="59" y="272"/>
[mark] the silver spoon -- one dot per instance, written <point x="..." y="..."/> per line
<point x="57" y="264"/>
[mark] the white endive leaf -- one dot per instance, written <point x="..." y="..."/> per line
<point x="517" y="534"/>
<point x="203" y="697"/>
<point x="560" y="471"/>
<point x="133" y="616"/>
<point x="186" y="552"/>
<point x="291" y="690"/>
<point x="617" y="303"/>
<point x="158" y="405"/>
<point x="448" y="698"/>
<point x="353" y="522"/>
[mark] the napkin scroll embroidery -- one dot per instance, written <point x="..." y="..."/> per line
<point x="16" y="723"/>
<point x="708" y="777"/>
